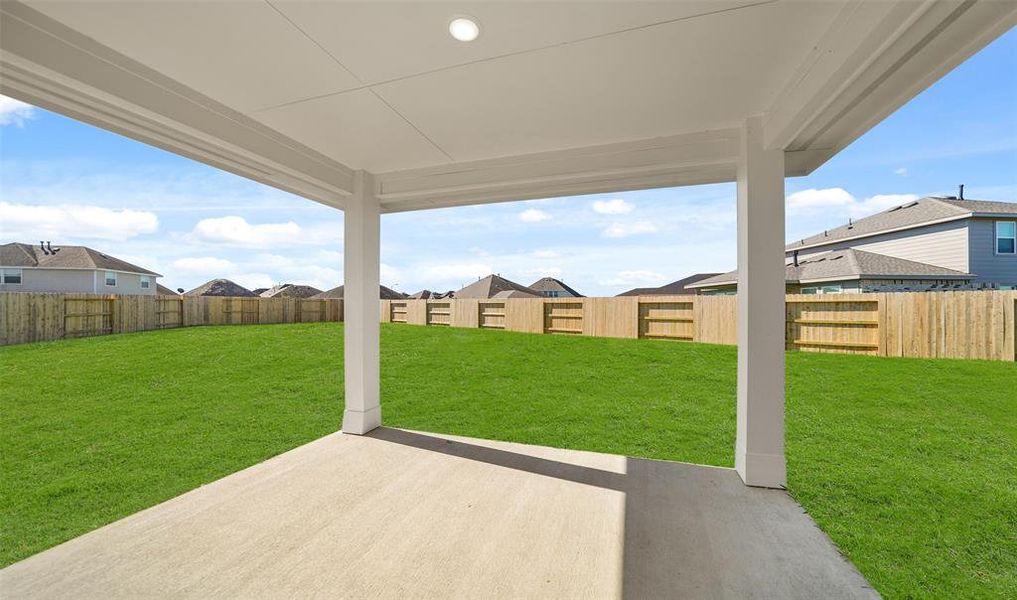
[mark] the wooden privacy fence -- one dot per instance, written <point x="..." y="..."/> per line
<point x="975" y="324"/>
<point x="31" y="317"/>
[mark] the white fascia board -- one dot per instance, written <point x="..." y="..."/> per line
<point x="844" y="87"/>
<point x="52" y="66"/>
<point x="687" y="159"/>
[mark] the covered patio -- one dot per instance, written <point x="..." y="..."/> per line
<point x="400" y="514"/>
<point x="374" y="108"/>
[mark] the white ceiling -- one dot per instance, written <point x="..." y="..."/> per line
<point x="381" y="86"/>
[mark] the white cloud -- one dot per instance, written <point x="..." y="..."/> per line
<point x="205" y="266"/>
<point x="620" y="230"/>
<point x="253" y="281"/>
<point x="635" y="277"/>
<point x="32" y="222"/>
<point x="616" y="206"/>
<point x="455" y="271"/>
<point x="544" y="272"/>
<point x="545" y="254"/>
<point x="14" y="112"/>
<point x="236" y="231"/>
<point x="813" y="199"/>
<point x="299" y="269"/>
<point x="839" y="202"/>
<point x="903" y="172"/>
<point x="533" y="215"/>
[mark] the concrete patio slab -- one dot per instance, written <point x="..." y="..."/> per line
<point x="398" y="514"/>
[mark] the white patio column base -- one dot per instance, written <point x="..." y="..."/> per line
<point x="761" y="470"/>
<point x="759" y="446"/>
<point x="361" y="335"/>
<point x="359" y="422"/>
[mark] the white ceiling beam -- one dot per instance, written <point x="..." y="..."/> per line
<point x="844" y="87"/>
<point x="49" y="65"/>
<point x="688" y="159"/>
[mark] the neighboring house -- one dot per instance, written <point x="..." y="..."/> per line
<point x="72" y="269"/>
<point x="929" y="244"/>
<point x="337" y="293"/>
<point x="429" y="295"/>
<point x="971" y="236"/>
<point x="221" y="287"/>
<point x="162" y="290"/>
<point x="259" y="291"/>
<point x="290" y="290"/>
<point x="549" y="287"/>
<point x="675" y="288"/>
<point x="496" y="286"/>
<point x="852" y="271"/>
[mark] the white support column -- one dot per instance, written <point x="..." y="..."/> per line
<point x="361" y="267"/>
<point x="759" y="446"/>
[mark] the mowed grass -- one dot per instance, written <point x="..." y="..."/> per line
<point x="909" y="465"/>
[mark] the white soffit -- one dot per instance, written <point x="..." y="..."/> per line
<point x="383" y="41"/>
<point x="552" y="98"/>
<point x="243" y="54"/>
<point x="681" y="76"/>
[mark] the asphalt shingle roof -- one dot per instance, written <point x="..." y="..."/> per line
<point x="850" y="264"/>
<point x="16" y="254"/>
<point x="289" y="290"/>
<point x="675" y="288"/>
<point x="221" y="287"/>
<point x="491" y="285"/>
<point x="911" y="214"/>
<point x="337" y="293"/>
<point x="550" y="284"/>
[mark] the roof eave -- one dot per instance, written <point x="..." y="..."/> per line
<point x="792" y="247"/>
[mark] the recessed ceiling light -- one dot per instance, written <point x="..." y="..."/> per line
<point x="464" y="29"/>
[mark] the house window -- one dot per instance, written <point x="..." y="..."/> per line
<point x="826" y="289"/>
<point x="146" y="282"/>
<point x="1006" y="237"/>
<point x="10" y="276"/>
<point x="111" y="278"/>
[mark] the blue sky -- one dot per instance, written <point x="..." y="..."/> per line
<point x="71" y="183"/>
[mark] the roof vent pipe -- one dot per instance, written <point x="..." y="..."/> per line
<point x="794" y="256"/>
<point x="960" y="194"/>
<point x="42" y="246"/>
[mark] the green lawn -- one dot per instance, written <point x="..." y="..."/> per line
<point x="909" y="465"/>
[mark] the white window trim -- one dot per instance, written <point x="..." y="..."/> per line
<point x="3" y="276"/>
<point x="996" y="237"/>
<point x="146" y="282"/>
<point x="105" y="278"/>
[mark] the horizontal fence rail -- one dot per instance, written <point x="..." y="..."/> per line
<point x="968" y="324"/>
<point x="31" y="317"/>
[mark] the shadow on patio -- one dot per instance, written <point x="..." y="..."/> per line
<point x="403" y="514"/>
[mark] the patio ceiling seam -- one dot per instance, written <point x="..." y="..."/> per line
<point x="509" y="55"/>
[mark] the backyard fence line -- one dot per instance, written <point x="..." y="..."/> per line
<point x="35" y="317"/>
<point x="962" y="324"/>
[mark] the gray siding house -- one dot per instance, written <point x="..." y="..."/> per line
<point x="70" y="269"/>
<point x="972" y="236"/>
<point x="928" y="244"/>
